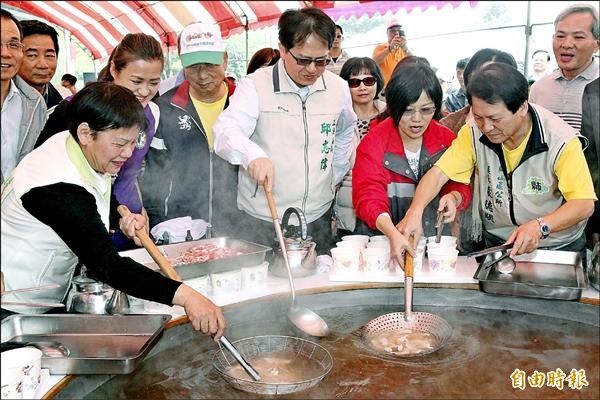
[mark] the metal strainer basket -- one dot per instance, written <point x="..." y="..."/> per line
<point x="257" y="347"/>
<point x="420" y="322"/>
<point x="417" y="322"/>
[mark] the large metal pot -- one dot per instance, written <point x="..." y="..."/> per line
<point x="301" y="250"/>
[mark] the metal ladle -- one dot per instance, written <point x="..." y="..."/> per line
<point x="303" y="318"/>
<point x="166" y="267"/>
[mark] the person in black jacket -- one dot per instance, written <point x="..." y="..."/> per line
<point x="183" y="176"/>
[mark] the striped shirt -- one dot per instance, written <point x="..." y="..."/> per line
<point x="562" y="96"/>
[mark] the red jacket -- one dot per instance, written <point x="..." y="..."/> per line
<point x="382" y="180"/>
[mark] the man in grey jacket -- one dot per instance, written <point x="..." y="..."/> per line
<point x="23" y="108"/>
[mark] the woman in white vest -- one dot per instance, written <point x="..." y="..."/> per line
<point x="58" y="209"/>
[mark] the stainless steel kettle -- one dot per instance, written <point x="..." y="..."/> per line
<point x="88" y="296"/>
<point x="301" y="250"/>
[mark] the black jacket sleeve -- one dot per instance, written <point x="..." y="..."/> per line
<point x="72" y="213"/>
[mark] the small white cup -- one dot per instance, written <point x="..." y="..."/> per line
<point x="12" y="383"/>
<point x="255" y="277"/>
<point x="355" y="244"/>
<point x="201" y="284"/>
<point x="448" y="240"/>
<point x="382" y="244"/>
<point x="345" y="259"/>
<point x="29" y="361"/>
<point x="418" y="260"/>
<point x="442" y="260"/>
<point x="224" y="283"/>
<point x="361" y="238"/>
<point x="379" y="238"/>
<point x="376" y="259"/>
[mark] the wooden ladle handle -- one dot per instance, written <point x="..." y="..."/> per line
<point x="162" y="262"/>
<point x="270" y="201"/>
<point x="408" y="259"/>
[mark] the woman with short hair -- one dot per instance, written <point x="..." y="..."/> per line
<point x="58" y="207"/>
<point x="396" y="153"/>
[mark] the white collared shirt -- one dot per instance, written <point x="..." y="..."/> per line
<point x="12" y="112"/>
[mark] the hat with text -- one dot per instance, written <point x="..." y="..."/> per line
<point x="201" y="43"/>
<point x="393" y="23"/>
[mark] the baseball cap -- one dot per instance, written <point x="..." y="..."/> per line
<point x="393" y="23"/>
<point x="201" y="43"/>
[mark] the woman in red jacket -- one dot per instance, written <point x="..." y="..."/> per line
<point x="397" y="152"/>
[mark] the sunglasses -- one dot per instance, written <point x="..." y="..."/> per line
<point x="355" y="82"/>
<point x="305" y="62"/>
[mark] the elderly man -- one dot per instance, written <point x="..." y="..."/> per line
<point x="23" y="108"/>
<point x="40" y="47"/>
<point x="576" y="39"/>
<point x="183" y="177"/>
<point x="534" y="185"/>
<point x="388" y="55"/>
<point x="291" y="125"/>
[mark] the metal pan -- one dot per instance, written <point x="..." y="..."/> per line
<point x="418" y="322"/>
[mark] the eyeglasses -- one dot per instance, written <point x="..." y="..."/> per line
<point x="355" y="82"/>
<point x="305" y="62"/>
<point x="13" y="45"/>
<point x="425" y="111"/>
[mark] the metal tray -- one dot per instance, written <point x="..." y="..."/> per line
<point x="546" y="274"/>
<point x="98" y="344"/>
<point x="252" y="254"/>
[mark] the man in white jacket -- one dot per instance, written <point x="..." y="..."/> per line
<point x="290" y="125"/>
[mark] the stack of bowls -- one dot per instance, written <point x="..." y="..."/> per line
<point x="355" y="253"/>
<point x="442" y="256"/>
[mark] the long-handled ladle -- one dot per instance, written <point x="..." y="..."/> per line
<point x="303" y="318"/>
<point x="166" y="267"/>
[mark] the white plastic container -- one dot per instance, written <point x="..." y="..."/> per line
<point x="200" y="284"/>
<point x="224" y="283"/>
<point x="418" y="260"/>
<point x="449" y="241"/>
<point x="382" y="244"/>
<point x="345" y="260"/>
<point x="442" y="260"/>
<point x="376" y="259"/>
<point x="361" y="238"/>
<point x="355" y="244"/>
<point x="12" y="382"/>
<point x="29" y="361"/>
<point x="255" y="277"/>
<point x="379" y="238"/>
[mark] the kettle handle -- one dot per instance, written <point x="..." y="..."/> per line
<point x="301" y="218"/>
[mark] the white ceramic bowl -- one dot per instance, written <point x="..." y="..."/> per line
<point x="224" y="283"/>
<point x="379" y="238"/>
<point x="361" y="238"/>
<point x="449" y="240"/>
<point x="355" y="244"/>
<point x="12" y="383"/>
<point x="200" y="284"/>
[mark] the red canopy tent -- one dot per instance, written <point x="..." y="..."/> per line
<point x="100" y="25"/>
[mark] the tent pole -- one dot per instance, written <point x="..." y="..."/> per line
<point x="528" y="32"/>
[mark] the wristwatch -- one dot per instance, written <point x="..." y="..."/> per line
<point x="544" y="228"/>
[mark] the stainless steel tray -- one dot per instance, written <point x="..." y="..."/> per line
<point x="547" y="274"/>
<point x="252" y="254"/>
<point x="98" y="344"/>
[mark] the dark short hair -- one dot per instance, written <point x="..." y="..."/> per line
<point x="103" y="106"/>
<point x="261" y="57"/>
<point x="297" y="25"/>
<point x="541" y="51"/>
<point x="408" y="82"/>
<point x="462" y="63"/>
<point x="69" y="78"/>
<point x="499" y="82"/>
<point x="340" y="28"/>
<point x="133" y="47"/>
<point x="6" y="14"/>
<point x="34" y="27"/>
<point x="355" y="65"/>
<point x="487" y="55"/>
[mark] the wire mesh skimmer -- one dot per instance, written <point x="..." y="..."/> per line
<point x="309" y="362"/>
